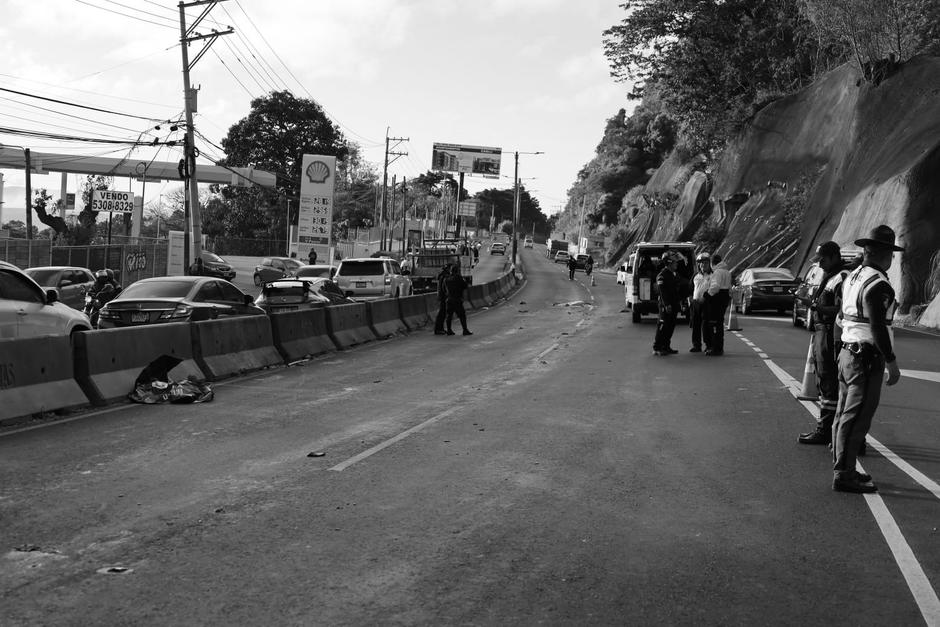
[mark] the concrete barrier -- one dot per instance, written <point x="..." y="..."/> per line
<point x="414" y="312"/>
<point x="231" y="346"/>
<point x="108" y="361"/>
<point x="433" y="306"/>
<point x="299" y="334"/>
<point x="476" y="294"/>
<point x="37" y="375"/>
<point x="349" y="324"/>
<point x="385" y="316"/>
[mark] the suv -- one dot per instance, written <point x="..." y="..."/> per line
<point x="28" y="311"/>
<point x="274" y="268"/>
<point x="370" y="278"/>
<point x="562" y="256"/>
<point x="497" y="248"/>
<point x="642" y="266"/>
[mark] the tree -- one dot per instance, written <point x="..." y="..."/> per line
<point x="84" y="232"/>
<point x="41" y="199"/>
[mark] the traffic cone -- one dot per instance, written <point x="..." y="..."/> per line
<point x="809" y="391"/>
<point x="732" y="324"/>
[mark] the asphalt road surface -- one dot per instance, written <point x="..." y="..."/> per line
<point x="546" y="470"/>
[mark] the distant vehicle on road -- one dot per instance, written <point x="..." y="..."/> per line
<point x="26" y="310"/>
<point x="552" y="247"/>
<point x="274" y="268"/>
<point x="497" y="248"/>
<point x="176" y="299"/>
<point x="213" y="265"/>
<point x="562" y="256"/>
<point x="527" y="242"/>
<point x="581" y="261"/>
<point x="300" y="293"/>
<point x="766" y="288"/>
<point x="70" y="282"/>
<point x="368" y="278"/>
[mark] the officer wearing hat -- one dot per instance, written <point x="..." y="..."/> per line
<point x="824" y="305"/>
<point x="668" y="286"/>
<point x="868" y="305"/>
<point x="697" y="319"/>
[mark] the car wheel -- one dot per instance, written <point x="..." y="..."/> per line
<point x="637" y="316"/>
<point x="257" y="279"/>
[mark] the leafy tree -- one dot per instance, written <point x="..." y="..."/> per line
<point x="86" y="229"/>
<point x="41" y="198"/>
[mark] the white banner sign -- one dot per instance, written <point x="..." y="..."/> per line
<point x="479" y="160"/>
<point x="315" y="219"/>
<point x="111" y="201"/>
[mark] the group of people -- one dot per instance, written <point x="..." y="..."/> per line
<point x="710" y="297"/>
<point x="588" y="268"/>
<point x="853" y="348"/>
<point x="450" y="289"/>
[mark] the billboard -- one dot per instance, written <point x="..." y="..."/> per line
<point x="474" y="160"/>
<point x="315" y="219"/>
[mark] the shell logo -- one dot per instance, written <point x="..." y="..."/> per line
<point x="318" y="172"/>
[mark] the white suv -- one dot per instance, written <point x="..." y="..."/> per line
<point x="372" y="277"/>
<point x="28" y="311"/>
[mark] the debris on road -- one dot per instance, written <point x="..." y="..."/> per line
<point x="316" y="454"/>
<point x="155" y="386"/>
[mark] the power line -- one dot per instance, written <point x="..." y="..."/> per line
<point x="72" y="104"/>
<point x="247" y="91"/>
<point x="124" y="6"/>
<point x="86" y="91"/>
<point x="73" y="138"/>
<point x="69" y="115"/>
<point x="133" y="17"/>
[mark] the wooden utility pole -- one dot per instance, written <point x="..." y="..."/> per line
<point x="397" y="140"/>
<point x="188" y="164"/>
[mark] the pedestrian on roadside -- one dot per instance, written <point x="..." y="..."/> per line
<point x="441" y="301"/>
<point x="824" y="305"/>
<point x="589" y="268"/>
<point x="719" y="296"/>
<point x="701" y="331"/>
<point x="668" y="287"/>
<point x="454" y="287"/>
<point x="868" y="305"/>
<point x="312" y="257"/>
<point x="572" y="266"/>
<point x="197" y="268"/>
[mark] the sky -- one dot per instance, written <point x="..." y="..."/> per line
<point x="522" y="75"/>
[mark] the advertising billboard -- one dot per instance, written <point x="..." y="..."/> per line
<point x="474" y="160"/>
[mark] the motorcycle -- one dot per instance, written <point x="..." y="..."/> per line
<point x="92" y="307"/>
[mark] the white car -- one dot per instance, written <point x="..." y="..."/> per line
<point x="562" y="256"/>
<point x="28" y="311"/>
<point x="372" y="277"/>
<point x="527" y="243"/>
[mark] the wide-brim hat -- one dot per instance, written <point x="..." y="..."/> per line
<point x="882" y="235"/>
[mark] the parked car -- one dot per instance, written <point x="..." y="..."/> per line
<point x="766" y="288"/>
<point x="562" y="256"/>
<point x="213" y="265"/>
<point x="70" y="282"/>
<point x="273" y="268"/>
<point x="315" y="271"/>
<point x="581" y="261"/>
<point x="497" y="248"/>
<point x="176" y="299"/>
<point x="293" y="294"/>
<point x="369" y="278"/>
<point x="26" y="310"/>
<point x="527" y="242"/>
<point x="622" y="272"/>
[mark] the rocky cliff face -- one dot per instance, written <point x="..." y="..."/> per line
<point x="854" y="154"/>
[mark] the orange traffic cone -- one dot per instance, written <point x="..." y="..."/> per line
<point x="732" y="324"/>
<point x="809" y="391"/>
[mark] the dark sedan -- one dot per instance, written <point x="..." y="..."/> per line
<point x="294" y="294"/>
<point x="69" y="281"/>
<point x="213" y="265"/>
<point x="274" y="268"/>
<point x="176" y="299"/>
<point x="766" y="288"/>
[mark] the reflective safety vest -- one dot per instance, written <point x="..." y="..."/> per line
<point x="827" y="295"/>
<point x="856" y="321"/>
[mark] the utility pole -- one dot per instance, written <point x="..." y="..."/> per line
<point x="391" y="213"/>
<point x="29" y="204"/>
<point x="581" y="225"/>
<point x="515" y="208"/>
<point x="188" y="164"/>
<point x="404" y="209"/>
<point x="398" y="141"/>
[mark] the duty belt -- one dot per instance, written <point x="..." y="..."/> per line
<point x="858" y="347"/>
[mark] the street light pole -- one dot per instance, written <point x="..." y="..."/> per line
<point x="516" y="200"/>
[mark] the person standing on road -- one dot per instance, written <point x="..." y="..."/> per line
<point x="824" y="305"/>
<point x="668" y="287"/>
<point x="312" y="257"/>
<point x="719" y="295"/>
<point x="868" y="305"/>
<point x="454" y="287"/>
<point x="589" y="268"/>
<point x="197" y="268"/>
<point x="572" y="266"/>
<point x="701" y="331"/>
<point x="441" y="301"/>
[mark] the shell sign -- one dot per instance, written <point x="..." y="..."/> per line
<point x="315" y="218"/>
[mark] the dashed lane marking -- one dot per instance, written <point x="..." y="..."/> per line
<point x="926" y="375"/>
<point x="548" y="350"/>
<point x="917" y="582"/>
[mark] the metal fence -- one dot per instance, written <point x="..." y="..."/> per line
<point x="133" y="259"/>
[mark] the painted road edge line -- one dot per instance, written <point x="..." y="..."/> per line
<point x="547" y="350"/>
<point x="917" y="582"/>
<point x="401" y="436"/>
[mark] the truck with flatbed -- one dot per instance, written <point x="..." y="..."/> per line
<point x="425" y="262"/>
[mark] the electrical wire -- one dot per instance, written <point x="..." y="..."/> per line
<point x="79" y="106"/>
<point x="133" y="17"/>
<point x="247" y="91"/>
<point x="68" y="115"/>
<point x="86" y="91"/>
<point x="71" y="138"/>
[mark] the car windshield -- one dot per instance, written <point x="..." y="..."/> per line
<point x="214" y="258"/>
<point x="361" y="268"/>
<point x="157" y="289"/>
<point x="773" y="275"/>
<point x="292" y="264"/>
<point x="285" y="293"/>
<point x="314" y="271"/>
<point x="43" y="277"/>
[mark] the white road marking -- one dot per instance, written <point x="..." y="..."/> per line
<point x="917" y="582"/>
<point x="548" y="350"/>
<point x="926" y="375"/>
<point x="401" y="436"/>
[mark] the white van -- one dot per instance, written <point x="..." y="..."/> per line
<point x="639" y="275"/>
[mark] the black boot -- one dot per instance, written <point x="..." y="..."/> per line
<point x="819" y="436"/>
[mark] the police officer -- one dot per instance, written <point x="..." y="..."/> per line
<point x="697" y="319"/>
<point x="719" y="296"/>
<point x="668" y="286"/>
<point x="441" y="301"/>
<point x="868" y="305"/>
<point x="572" y="266"/>
<point x="589" y="268"/>
<point x="454" y="287"/>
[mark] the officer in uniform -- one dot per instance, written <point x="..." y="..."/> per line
<point x="697" y="319"/>
<point x="441" y="301"/>
<point x="668" y="286"/>
<point x="454" y="287"/>
<point x="719" y="297"/>
<point x="868" y="305"/>
<point x="824" y="305"/>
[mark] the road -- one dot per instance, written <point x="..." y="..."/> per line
<point x="546" y="470"/>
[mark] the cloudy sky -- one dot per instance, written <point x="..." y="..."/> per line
<point x="523" y="75"/>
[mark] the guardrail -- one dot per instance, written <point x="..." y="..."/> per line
<point x="51" y="374"/>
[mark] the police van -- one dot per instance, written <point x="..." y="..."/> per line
<point x="639" y="275"/>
